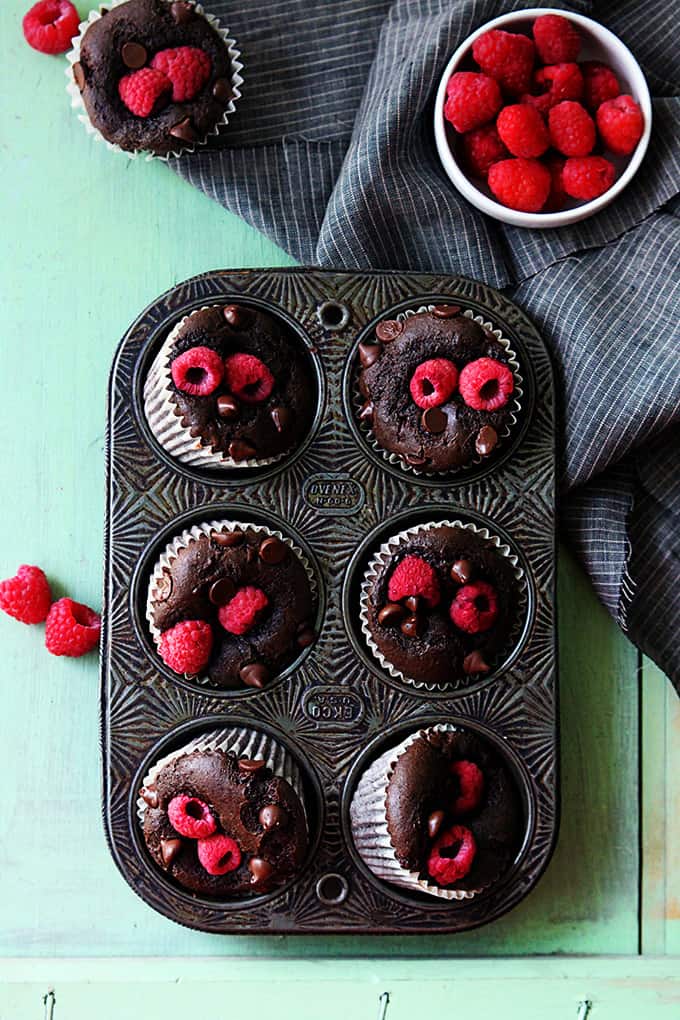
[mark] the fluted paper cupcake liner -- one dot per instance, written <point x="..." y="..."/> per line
<point x="165" y="421"/>
<point x="503" y="435"/>
<point x="73" y="56"/>
<point x="381" y="559"/>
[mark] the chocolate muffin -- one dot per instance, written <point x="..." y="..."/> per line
<point x="224" y="827"/>
<point x="231" y="604"/>
<point x="440" y="602"/>
<point x="154" y="75"/>
<point x="439" y="813"/>
<point x="439" y="389"/>
<point x="230" y="386"/>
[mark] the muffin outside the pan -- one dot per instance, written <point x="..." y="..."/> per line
<point x="231" y="602"/>
<point x="440" y="390"/>
<point x="224" y="816"/>
<point x="439" y="813"/>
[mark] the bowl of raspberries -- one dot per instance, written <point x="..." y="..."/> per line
<point x="542" y="118"/>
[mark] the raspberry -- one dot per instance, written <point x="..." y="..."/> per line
<point x="191" y="817"/>
<point x="621" y="124"/>
<point x="186" y="647"/>
<point x="475" y="607"/>
<point x="433" y="382"/>
<point x="507" y="57"/>
<point x="26" y="596"/>
<point x="555" y="84"/>
<point x="240" y="614"/>
<point x="481" y="148"/>
<point x="71" y="628"/>
<point x="558" y="196"/>
<point x="452" y="855"/>
<point x="187" y="67"/>
<point x="219" y="854"/>
<point x="599" y="84"/>
<point x="587" y="177"/>
<point x="523" y="130"/>
<point x="199" y="371"/>
<point x="248" y="378"/>
<point x="471" y="100"/>
<point x="50" y="25"/>
<point x="486" y="384"/>
<point x="470" y="785"/>
<point x="572" y="130"/>
<point x="520" y="183"/>
<point x="414" y="576"/>
<point x="141" y="90"/>
<point x="557" y="40"/>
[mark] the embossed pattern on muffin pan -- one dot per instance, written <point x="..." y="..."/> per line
<point x="334" y="708"/>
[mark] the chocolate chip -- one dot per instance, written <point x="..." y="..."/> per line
<point x="240" y="450"/>
<point x="272" y="550"/>
<point x="434" y="420"/>
<point x="366" y="412"/>
<point x="227" y="407"/>
<point x="415" y="460"/>
<point x="446" y="311"/>
<point x="255" y="674"/>
<point x="390" y="614"/>
<point x="236" y="316"/>
<point x="184" y="130"/>
<point x="412" y="603"/>
<point x="169" y="850"/>
<point x="486" y="440"/>
<point x="412" y="626"/>
<point x="150" y="797"/>
<point x="434" y="823"/>
<point x="306" y="638"/>
<point x="227" y="539"/>
<point x="163" y="589"/>
<point x="388" y="330"/>
<point x="272" y="816"/>
<point x="251" y="765"/>
<point x="222" y="591"/>
<point x="461" y="571"/>
<point x="260" y="869"/>
<point x="281" y="417"/>
<point x="181" y="12"/>
<point x="369" y="354"/>
<point x="79" y="75"/>
<point x="133" y="55"/>
<point x="474" y="663"/>
<point x="222" y="90"/>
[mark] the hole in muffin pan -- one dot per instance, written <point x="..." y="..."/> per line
<point x="226" y="476"/>
<point x="390" y="738"/>
<point x="333" y="316"/>
<point x="351" y="397"/>
<point x="332" y="889"/>
<point x="356" y="571"/>
<point x="175" y="739"/>
<point x="144" y="568"/>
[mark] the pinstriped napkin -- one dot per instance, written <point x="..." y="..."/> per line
<point x="331" y="155"/>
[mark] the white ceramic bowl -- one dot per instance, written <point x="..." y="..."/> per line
<point x="597" y="43"/>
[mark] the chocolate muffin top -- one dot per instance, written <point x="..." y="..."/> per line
<point x="254" y="593"/>
<point x="437" y="389"/>
<point x="431" y="789"/>
<point x="442" y="607"/>
<point x="258" y="815"/>
<point x="168" y="104"/>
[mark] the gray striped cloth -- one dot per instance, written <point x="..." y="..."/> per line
<point x="331" y="154"/>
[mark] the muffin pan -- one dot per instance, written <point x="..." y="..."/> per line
<point x="334" y="708"/>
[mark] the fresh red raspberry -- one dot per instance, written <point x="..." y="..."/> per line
<point x="486" y="384"/>
<point x="198" y="371"/>
<point x="414" y="576"/>
<point x="620" y="123"/>
<point x="475" y="607"/>
<point x="481" y="148"/>
<point x="520" y="183"/>
<point x="186" y="647"/>
<point x="507" y="57"/>
<point x="187" y="67"/>
<point x="248" y="378"/>
<point x="71" y="628"/>
<point x="558" y="196"/>
<point x="587" y="177"/>
<point x="523" y="130"/>
<point x="191" y="817"/>
<point x="50" y="25"/>
<point x="219" y="854"/>
<point x="240" y="614"/>
<point x="599" y="84"/>
<point x="433" y="382"/>
<point x="572" y="129"/>
<point x="557" y="39"/>
<point x="555" y="84"/>
<point x="470" y="786"/>
<point x="26" y="596"/>
<point x="141" y="90"/>
<point x="471" y="100"/>
<point x="452" y="855"/>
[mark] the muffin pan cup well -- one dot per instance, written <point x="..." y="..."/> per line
<point x="335" y="709"/>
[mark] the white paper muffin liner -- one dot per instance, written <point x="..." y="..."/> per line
<point x="73" y="56"/>
<point x="192" y="534"/>
<point x="245" y="743"/>
<point x="503" y="435"/>
<point x="368" y="816"/>
<point x="382" y="558"/>
<point x="166" y="423"/>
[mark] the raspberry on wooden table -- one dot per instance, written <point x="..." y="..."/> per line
<point x="587" y="177"/>
<point x="71" y="628"/>
<point x="523" y="130"/>
<point x="26" y="596"/>
<point x="520" y="183"/>
<point x="50" y="25"/>
<point x="507" y="57"/>
<point x="620" y="123"/>
<point x="572" y="129"/>
<point x="186" y="647"/>
<point x="557" y="40"/>
<point x="471" y="100"/>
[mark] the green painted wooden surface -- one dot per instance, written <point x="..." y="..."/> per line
<point x="90" y="239"/>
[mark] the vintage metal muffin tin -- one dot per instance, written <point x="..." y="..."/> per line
<point x="334" y="708"/>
